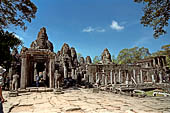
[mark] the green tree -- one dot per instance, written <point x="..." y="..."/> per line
<point x="129" y="56"/>
<point x="165" y="51"/>
<point x="16" y="12"/>
<point x="156" y="15"/>
<point x="8" y="41"/>
<point x="96" y="59"/>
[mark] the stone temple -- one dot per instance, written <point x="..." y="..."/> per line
<point x="59" y="68"/>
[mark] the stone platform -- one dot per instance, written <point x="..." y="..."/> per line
<point x="35" y="89"/>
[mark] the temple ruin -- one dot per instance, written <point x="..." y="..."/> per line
<point x="59" y="68"/>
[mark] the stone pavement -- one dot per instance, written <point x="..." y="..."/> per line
<point x="83" y="101"/>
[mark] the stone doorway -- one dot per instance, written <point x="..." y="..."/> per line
<point x="42" y="70"/>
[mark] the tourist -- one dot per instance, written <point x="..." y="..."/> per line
<point x="2" y="70"/>
<point x="37" y="80"/>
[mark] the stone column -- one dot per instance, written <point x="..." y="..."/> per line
<point x="111" y="76"/>
<point x="73" y="73"/>
<point x="23" y="72"/>
<point x="44" y="74"/>
<point x="160" y="77"/>
<point x="138" y="78"/>
<point x="119" y="76"/>
<point x="65" y="71"/>
<point x="106" y="80"/>
<point x="158" y="61"/>
<point x="103" y="78"/>
<point x="51" y="72"/>
<point x="134" y="76"/>
<point x="91" y="78"/>
<point x="153" y="79"/>
<point x="141" y="76"/>
<point x="35" y="71"/>
<point x="127" y="78"/>
<point x="97" y="77"/>
<point x="114" y="77"/>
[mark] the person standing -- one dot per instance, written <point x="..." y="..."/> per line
<point x="37" y="80"/>
<point x="2" y="100"/>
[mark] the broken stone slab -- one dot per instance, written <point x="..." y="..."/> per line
<point x="13" y="93"/>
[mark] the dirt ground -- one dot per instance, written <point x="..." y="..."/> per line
<point x="83" y="101"/>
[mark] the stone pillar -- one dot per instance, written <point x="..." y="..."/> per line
<point x="91" y="78"/>
<point x="111" y="76"/>
<point x="106" y="80"/>
<point x="141" y="76"/>
<point x="153" y="79"/>
<point x="134" y="74"/>
<point x="138" y="78"/>
<point x="44" y="74"/>
<point x="158" y="61"/>
<point x="73" y="73"/>
<point x="51" y="72"/>
<point x="127" y="78"/>
<point x="65" y="71"/>
<point x="10" y="73"/>
<point x="103" y="78"/>
<point x="97" y="77"/>
<point x="114" y="77"/>
<point x="119" y="76"/>
<point x="23" y="72"/>
<point x="160" y="77"/>
<point x="35" y="71"/>
<point x="10" y="78"/>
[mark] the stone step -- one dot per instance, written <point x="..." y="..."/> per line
<point x="35" y="89"/>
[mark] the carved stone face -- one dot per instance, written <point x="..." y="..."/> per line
<point x="81" y="60"/>
<point x="42" y="38"/>
<point x="88" y="60"/>
<point x="73" y="52"/>
<point x="106" y="57"/>
<point x="65" y="49"/>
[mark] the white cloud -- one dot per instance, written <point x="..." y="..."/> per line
<point x="100" y="30"/>
<point x="91" y="29"/>
<point x="88" y="29"/>
<point x="116" y="26"/>
<point x="19" y="37"/>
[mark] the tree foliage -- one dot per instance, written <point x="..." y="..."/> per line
<point x="8" y="42"/>
<point x="129" y="56"/>
<point x="16" y="12"/>
<point x="156" y="15"/>
<point x="165" y="51"/>
<point x="96" y="59"/>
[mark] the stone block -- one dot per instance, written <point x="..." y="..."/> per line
<point x="13" y="93"/>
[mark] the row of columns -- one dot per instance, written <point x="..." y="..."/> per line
<point x="126" y="78"/>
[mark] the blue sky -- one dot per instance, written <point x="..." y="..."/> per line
<point x="91" y="26"/>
